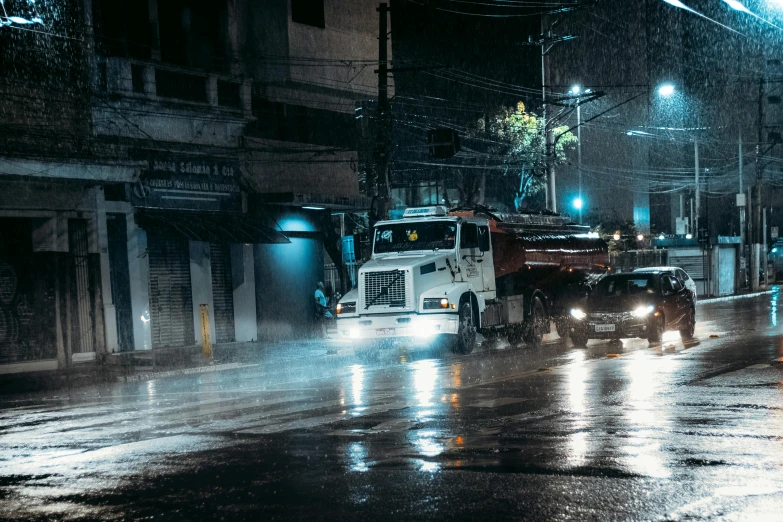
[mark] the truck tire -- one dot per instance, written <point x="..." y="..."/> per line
<point x="686" y="332"/>
<point x="536" y="326"/>
<point x="465" y="340"/>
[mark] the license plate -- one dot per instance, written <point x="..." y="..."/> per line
<point x="604" y="328"/>
<point x="385" y="331"/>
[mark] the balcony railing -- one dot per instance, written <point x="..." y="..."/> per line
<point x="161" y="82"/>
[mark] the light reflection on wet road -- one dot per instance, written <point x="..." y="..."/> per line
<point x="671" y="432"/>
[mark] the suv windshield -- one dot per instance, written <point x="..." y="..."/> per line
<point x="624" y="285"/>
<point x="421" y="235"/>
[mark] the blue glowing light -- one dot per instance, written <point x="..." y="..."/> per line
<point x="578" y="203"/>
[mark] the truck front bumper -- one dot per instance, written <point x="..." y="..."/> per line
<point x="391" y="326"/>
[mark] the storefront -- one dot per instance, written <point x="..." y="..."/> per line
<point x="52" y="298"/>
<point x="189" y="221"/>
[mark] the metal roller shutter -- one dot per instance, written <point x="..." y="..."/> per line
<point x="222" y="292"/>
<point x="693" y="265"/>
<point x="171" y="299"/>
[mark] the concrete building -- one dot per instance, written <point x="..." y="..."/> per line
<point x="182" y="154"/>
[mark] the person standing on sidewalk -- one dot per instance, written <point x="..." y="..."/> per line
<point x="322" y="313"/>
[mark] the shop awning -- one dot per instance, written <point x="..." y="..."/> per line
<point x="212" y="227"/>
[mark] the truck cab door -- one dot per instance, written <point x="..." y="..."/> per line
<point x="470" y="258"/>
<point x="488" y="263"/>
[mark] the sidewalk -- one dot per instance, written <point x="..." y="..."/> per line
<point x="742" y="295"/>
<point x="165" y="362"/>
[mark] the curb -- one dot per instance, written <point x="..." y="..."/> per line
<point x="184" y="371"/>
<point x="733" y="297"/>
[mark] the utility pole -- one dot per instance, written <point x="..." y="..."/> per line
<point x="579" y="153"/>
<point x="546" y="42"/>
<point x="381" y="209"/>
<point x="743" y="235"/>
<point x="551" y="190"/>
<point x="696" y="170"/>
<point x="756" y="248"/>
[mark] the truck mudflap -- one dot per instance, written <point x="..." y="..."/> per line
<point x="393" y="326"/>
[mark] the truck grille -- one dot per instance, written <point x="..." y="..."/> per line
<point x="609" y="317"/>
<point x="384" y="289"/>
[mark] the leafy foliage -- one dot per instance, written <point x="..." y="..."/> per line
<point x="513" y="144"/>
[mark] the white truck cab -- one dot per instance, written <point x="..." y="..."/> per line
<point x="431" y="274"/>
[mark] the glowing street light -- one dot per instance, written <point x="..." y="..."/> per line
<point x="640" y="237"/>
<point x="616" y="236"/>
<point x="661" y="237"/>
<point x="666" y="90"/>
<point x="576" y="90"/>
<point x="578" y="203"/>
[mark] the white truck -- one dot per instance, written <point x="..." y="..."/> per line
<point x="448" y="275"/>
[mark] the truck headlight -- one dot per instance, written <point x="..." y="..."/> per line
<point x="643" y="310"/>
<point x="346" y="308"/>
<point x="576" y="313"/>
<point x="435" y="303"/>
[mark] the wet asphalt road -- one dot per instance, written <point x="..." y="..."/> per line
<point x="673" y="433"/>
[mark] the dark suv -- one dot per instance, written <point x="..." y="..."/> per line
<point x="634" y="305"/>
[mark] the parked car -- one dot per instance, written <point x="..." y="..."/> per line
<point x="634" y="305"/>
<point x="681" y="274"/>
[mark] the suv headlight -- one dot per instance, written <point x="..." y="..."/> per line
<point x="643" y="310"/>
<point x="436" y="303"/>
<point x="346" y="308"/>
<point x="576" y="313"/>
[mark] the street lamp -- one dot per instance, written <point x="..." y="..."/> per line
<point x="666" y="90"/>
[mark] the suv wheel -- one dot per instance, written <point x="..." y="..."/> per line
<point x="686" y="332"/>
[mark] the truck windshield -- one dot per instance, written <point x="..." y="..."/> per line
<point x="421" y="235"/>
<point x="625" y="285"/>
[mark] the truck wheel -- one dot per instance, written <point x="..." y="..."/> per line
<point x="536" y="326"/>
<point x="686" y="333"/>
<point x="465" y="340"/>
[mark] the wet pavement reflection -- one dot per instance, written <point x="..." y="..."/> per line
<point x="613" y="430"/>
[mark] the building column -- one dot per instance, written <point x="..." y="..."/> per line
<point x="201" y="285"/>
<point x="243" y="277"/>
<point x="109" y="312"/>
<point x="139" y="276"/>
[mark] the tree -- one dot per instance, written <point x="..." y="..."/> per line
<point x="509" y="144"/>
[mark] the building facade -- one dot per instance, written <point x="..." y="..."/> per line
<point x="162" y="162"/>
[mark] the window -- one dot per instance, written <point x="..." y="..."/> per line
<point x="469" y="237"/>
<point x="308" y="12"/>
<point x="483" y="239"/>
<point x="424" y="235"/>
<point x="123" y="28"/>
<point x="195" y="34"/>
